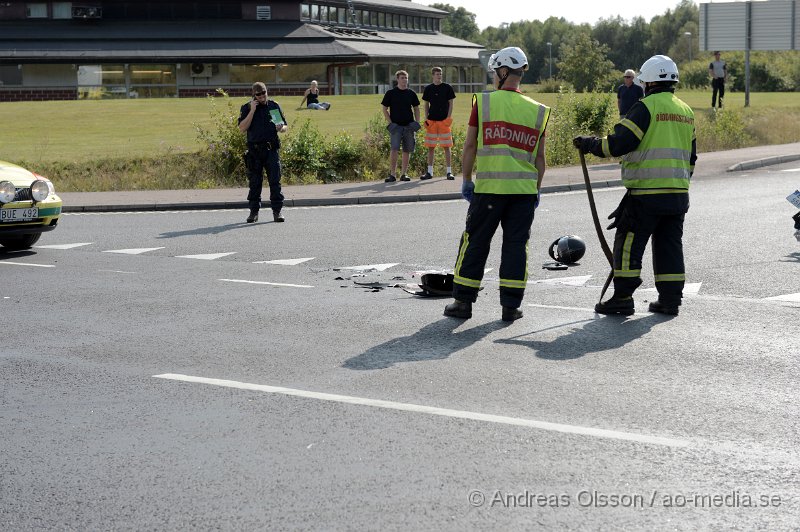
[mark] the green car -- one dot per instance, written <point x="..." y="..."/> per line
<point x="28" y="207"/>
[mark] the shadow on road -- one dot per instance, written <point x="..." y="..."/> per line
<point x="792" y="257"/>
<point x="15" y="254"/>
<point x="595" y="336"/>
<point x="436" y="341"/>
<point x="378" y="187"/>
<point x="210" y="230"/>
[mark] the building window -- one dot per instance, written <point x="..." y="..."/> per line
<point x="315" y="12"/>
<point x="343" y="15"/>
<point x="36" y="10"/>
<point x="62" y="10"/>
<point x="247" y="74"/>
<point x="302" y="72"/>
<point x="10" y="75"/>
<point x="263" y="13"/>
<point x="305" y="11"/>
<point x="323" y="13"/>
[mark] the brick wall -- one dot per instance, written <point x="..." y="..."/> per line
<point x="196" y="92"/>
<point x="20" y="94"/>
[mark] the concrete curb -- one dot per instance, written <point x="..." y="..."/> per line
<point x="310" y="202"/>
<point x="758" y="163"/>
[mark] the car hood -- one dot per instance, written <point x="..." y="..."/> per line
<point x="18" y="176"/>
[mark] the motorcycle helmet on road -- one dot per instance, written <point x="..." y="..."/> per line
<point x="567" y="249"/>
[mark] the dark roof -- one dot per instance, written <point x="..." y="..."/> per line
<point x="222" y="41"/>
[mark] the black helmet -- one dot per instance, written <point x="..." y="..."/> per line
<point x="568" y="249"/>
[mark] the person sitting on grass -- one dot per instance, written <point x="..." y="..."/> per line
<point x="311" y="97"/>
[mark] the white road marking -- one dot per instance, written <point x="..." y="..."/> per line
<point x="579" y="280"/>
<point x="134" y="251"/>
<point x="791" y="298"/>
<point x="207" y="256"/>
<point x="65" y="246"/>
<point x="285" y="262"/>
<point x="436" y="411"/>
<point x="27" y="264"/>
<point x="266" y="283"/>
<point x="791" y="170"/>
<point x="582" y="309"/>
<point x="369" y="267"/>
<point x="689" y="289"/>
<point x="114" y="271"/>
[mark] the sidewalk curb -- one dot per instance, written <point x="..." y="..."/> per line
<point x="311" y="202"/>
<point x="758" y="163"/>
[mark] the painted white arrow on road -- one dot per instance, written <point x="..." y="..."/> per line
<point x="285" y="262"/>
<point x="689" y="289"/>
<point x="369" y="267"/>
<point x="791" y="298"/>
<point x="135" y="251"/>
<point x="207" y="256"/>
<point x="65" y="246"/>
<point x="578" y="280"/>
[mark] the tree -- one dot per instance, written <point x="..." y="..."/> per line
<point x="460" y="23"/>
<point x="584" y="63"/>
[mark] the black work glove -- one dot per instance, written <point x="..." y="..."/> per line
<point x="584" y="143"/>
<point x="618" y="214"/>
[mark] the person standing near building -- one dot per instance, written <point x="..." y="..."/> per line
<point x="262" y="120"/>
<point x="505" y="145"/>
<point x="438" y="98"/>
<point x="658" y="147"/>
<point x="311" y="98"/>
<point x="718" y="70"/>
<point x="401" y="110"/>
<point x="628" y="93"/>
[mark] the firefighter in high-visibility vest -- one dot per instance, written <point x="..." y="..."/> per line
<point x="657" y="142"/>
<point x="505" y="146"/>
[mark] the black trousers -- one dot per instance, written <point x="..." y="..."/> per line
<point x="658" y="217"/>
<point x="514" y="213"/>
<point x="259" y="160"/>
<point x="717" y="86"/>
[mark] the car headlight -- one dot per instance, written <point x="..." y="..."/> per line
<point x="7" y="191"/>
<point x="40" y="190"/>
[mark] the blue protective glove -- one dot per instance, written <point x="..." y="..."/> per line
<point x="467" y="190"/>
<point x="536" y="201"/>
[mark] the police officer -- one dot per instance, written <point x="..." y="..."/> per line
<point x="263" y="119"/>
<point x="505" y="144"/>
<point x="658" y="145"/>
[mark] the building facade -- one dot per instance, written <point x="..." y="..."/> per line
<point x="179" y="48"/>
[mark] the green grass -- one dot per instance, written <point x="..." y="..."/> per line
<point x="76" y="131"/>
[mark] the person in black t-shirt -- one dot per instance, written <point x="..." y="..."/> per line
<point x="262" y="120"/>
<point x="401" y="109"/>
<point x="438" y="98"/>
<point x="311" y="98"/>
<point x="628" y="93"/>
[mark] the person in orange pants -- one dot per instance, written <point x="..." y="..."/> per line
<point x="438" y="98"/>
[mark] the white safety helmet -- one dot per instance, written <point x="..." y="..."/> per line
<point x="511" y="57"/>
<point x="658" y="68"/>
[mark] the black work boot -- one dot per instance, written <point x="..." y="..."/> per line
<point x="459" y="309"/>
<point x="511" y="314"/>
<point x="253" y="216"/>
<point x="616" y="305"/>
<point x="277" y="216"/>
<point x="663" y="308"/>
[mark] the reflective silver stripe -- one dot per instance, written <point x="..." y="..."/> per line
<point x="540" y="119"/>
<point x="508" y="175"/>
<point x="658" y="154"/>
<point x="654" y="173"/>
<point x="636" y="130"/>
<point x="504" y="151"/>
<point x="486" y="97"/>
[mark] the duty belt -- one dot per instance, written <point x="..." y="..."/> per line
<point x="260" y="146"/>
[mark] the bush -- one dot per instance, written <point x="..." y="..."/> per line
<point x="302" y="154"/>
<point x="223" y="143"/>
<point x="572" y="116"/>
<point x="721" y="130"/>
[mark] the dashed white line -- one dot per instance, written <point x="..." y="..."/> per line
<point x="27" y="264"/>
<point x="436" y="411"/>
<point x="285" y="262"/>
<point x="266" y="283"/>
<point x="134" y="251"/>
<point x="65" y="246"/>
<point x="207" y="256"/>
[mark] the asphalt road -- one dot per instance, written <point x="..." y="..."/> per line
<point x="159" y="373"/>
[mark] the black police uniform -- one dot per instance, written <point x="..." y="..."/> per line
<point x="659" y="216"/>
<point x="262" y="154"/>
